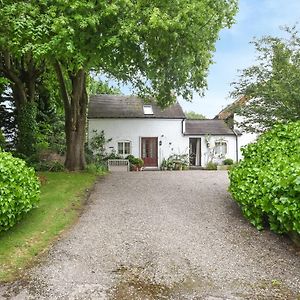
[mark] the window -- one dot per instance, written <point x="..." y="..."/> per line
<point x="220" y="148"/>
<point x="148" y="110"/>
<point x="124" y="148"/>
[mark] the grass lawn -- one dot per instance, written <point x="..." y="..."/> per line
<point x="61" y="200"/>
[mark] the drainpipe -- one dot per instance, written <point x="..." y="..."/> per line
<point x="182" y="126"/>
<point x="236" y="145"/>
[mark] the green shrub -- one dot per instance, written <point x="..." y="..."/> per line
<point x="228" y="162"/>
<point x="2" y="140"/>
<point x="211" y="166"/>
<point x="135" y="161"/>
<point x="50" y="166"/>
<point x="96" y="169"/>
<point x="19" y="190"/>
<point x="131" y="158"/>
<point x="266" y="184"/>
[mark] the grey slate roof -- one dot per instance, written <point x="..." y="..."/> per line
<point x="202" y="127"/>
<point x="111" y="106"/>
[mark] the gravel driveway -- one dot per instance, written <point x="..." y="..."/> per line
<point x="163" y="235"/>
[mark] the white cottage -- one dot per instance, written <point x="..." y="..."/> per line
<point x="210" y="140"/>
<point x="138" y="128"/>
<point x="146" y="131"/>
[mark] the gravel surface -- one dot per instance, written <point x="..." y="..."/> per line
<point x="163" y="235"/>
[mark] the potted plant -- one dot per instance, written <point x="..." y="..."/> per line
<point x="164" y="165"/>
<point x="139" y="163"/>
<point x="227" y="163"/>
<point x="170" y="165"/>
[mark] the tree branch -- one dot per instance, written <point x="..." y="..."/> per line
<point x="63" y="87"/>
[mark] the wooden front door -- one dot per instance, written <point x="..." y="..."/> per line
<point x="149" y="151"/>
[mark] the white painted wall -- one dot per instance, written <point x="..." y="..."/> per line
<point x="205" y="151"/>
<point x="245" y="138"/>
<point x="168" y="132"/>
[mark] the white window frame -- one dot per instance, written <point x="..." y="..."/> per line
<point x="148" y="110"/>
<point x="123" y="148"/>
<point x="219" y="149"/>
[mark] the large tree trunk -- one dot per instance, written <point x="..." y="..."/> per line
<point x="23" y="74"/>
<point x="75" y="133"/>
<point x="75" y="117"/>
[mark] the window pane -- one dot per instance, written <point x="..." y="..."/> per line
<point x="217" y="148"/>
<point x="127" y="148"/>
<point x="148" y="109"/>
<point x="221" y="148"/>
<point x="120" y="148"/>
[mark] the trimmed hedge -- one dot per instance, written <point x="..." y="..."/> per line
<point x="19" y="190"/>
<point x="266" y="184"/>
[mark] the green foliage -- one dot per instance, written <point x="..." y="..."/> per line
<point x="191" y="115"/>
<point x="228" y="162"/>
<point x="177" y="161"/>
<point x="161" y="49"/>
<point x="138" y="162"/>
<point x="7" y="117"/>
<point x="211" y="166"/>
<point x="96" y="87"/>
<point x="2" y="140"/>
<point x="96" y="169"/>
<point x="272" y="85"/>
<point x="50" y="166"/>
<point x="19" y="190"/>
<point x="97" y="147"/>
<point x="50" y="115"/>
<point x="266" y="184"/>
<point x="27" y="130"/>
<point x="135" y="161"/>
<point x="59" y="207"/>
<point x="164" y="164"/>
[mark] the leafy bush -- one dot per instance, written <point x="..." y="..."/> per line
<point x="98" y="147"/>
<point x="131" y="158"/>
<point x="211" y="166"/>
<point x="50" y="166"/>
<point x="266" y="184"/>
<point x="19" y="190"/>
<point x="135" y="162"/>
<point x="138" y="162"/>
<point x="228" y="162"/>
<point x="96" y="169"/>
<point x="2" y="140"/>
<point x="177" y="161"/>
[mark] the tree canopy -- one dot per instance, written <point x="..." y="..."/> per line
<point x="272" y="86"/>
<point x="162" y="48"/>
<point x="191" y="115"/>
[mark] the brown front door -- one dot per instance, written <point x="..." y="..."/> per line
<point x="149" y="151"/>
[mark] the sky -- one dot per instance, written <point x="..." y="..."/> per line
<point x="256" y="18"/>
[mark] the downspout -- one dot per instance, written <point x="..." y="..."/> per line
<point x="236" y="146"/>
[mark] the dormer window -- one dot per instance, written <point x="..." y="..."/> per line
<point x="148" y="110"/>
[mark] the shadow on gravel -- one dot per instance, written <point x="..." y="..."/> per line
<point x="133" y="284"/>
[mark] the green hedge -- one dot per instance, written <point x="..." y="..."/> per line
<point x="266" y="184"/>
<point x="19" y="190"/>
